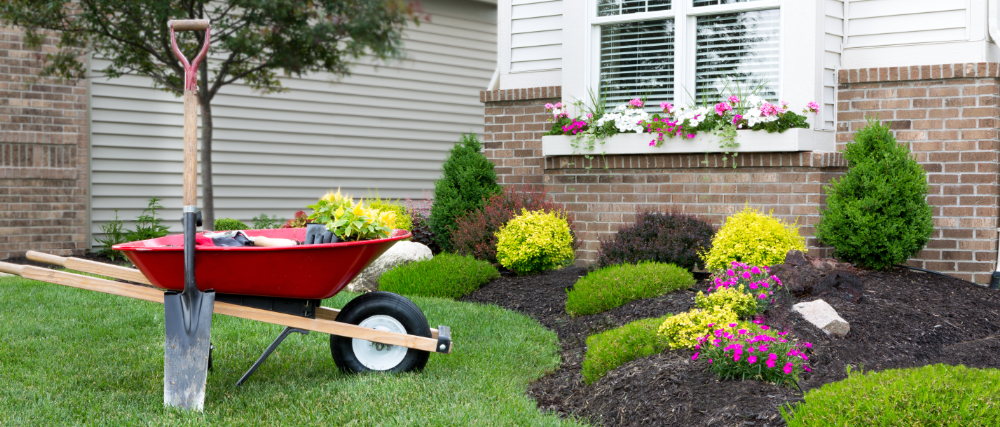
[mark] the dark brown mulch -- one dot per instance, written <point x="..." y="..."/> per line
<point x="905" y="319"/>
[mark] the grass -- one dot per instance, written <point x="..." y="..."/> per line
<point x="613" y="286"/>
<point x="611" y="349"/>
<point x="444" y="276"/>
<point x="934" y="395"/>
<point x="74" y="357"/>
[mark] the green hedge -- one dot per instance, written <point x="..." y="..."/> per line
<point x="446" y="275"/>
<point x="613" y="286"/>
<point x="935" y="395"/>
<point x="611" y="349"/>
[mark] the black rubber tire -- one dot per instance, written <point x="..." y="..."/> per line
<point x="380" y="303"/>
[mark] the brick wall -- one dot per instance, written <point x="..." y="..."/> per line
<point x="43" y="154"/>
<point x="602" y="199"/>
<point x="948" y="116"/>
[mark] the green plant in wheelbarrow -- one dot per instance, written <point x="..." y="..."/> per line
<point x="352" y="221"/>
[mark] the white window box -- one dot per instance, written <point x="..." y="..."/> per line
<point x="750" y="142"/>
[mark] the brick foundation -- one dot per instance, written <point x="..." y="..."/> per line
<point x="947" y="113"/>
<point x="43" y="154"/>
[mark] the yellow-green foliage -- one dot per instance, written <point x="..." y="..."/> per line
<point x="403" y="219"/>
<point x="683" y="330"/>
<point x="751" y="237"/>
<point x="534" y="241"/>
<point x="732" y="299"/>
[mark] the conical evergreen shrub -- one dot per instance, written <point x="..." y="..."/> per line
<point x="877" y="214"/>
<point x="469" y="179"/>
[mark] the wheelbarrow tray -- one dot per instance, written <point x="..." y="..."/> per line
<point x="301" y="272"/>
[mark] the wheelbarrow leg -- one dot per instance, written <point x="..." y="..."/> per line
<point x="270" y="349"/>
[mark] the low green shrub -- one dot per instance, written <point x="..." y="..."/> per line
<point x="934" y="395"/>
<point x="534" y="242"/>
<point x="610" y="287"/>
<point x="683" y="330"/>
<point x="752" y="237"/>
<point x="226" y="224"/>
<point x="446" y="276"/>
<point x="733" y="299"/>
<point x="611" y="349"/>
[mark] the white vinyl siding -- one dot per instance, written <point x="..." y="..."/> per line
<point x="876" y="23"/>
<point x="536" y="35"/>
<point x="386" y="129"/>
<point x="833" y="39"/>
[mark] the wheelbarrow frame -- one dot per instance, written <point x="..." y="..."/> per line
<point x="325" y="320"/>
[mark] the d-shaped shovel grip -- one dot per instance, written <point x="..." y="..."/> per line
<point x="190" y="69"/>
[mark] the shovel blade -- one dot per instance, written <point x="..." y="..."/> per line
<point x="188" y="321"/>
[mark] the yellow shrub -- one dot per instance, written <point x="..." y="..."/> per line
<point x="751" y="237"/>
<point x="683" y="330"/>
<point x="731" y="299"/>
<point x="534" y="241"/>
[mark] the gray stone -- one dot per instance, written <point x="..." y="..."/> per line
<point x="824" y="317"/>
<point x="399" y="254"/>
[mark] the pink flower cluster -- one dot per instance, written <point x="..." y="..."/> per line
<point x="557" y="111"/>
<point x="666" y="127"/>
<point x="757" y="281"/>
<point x="753" y="351"/>
<point x="811" y="107"/>
<point x="573" y="128"/>
<point x="635" y="103"/>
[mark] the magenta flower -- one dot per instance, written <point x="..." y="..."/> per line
<point x="788" y="368"/>
<point x="667" y="107"/>
<point x="770" y="363"/>
<point x="762" y="296"/>
<point x="549" y="106"/>
<point x="806" y="368"/>
<point x="731" y="273"/>
<point x="764" y="327"/>
<point x="695" y="357"/>
<point x="637" y="103"/>
<point x="743" y="331"/>
<point x="813" y="106"/>
<point x="558" y="105"/>
<point x="722" y="108"/>
<point x="808" y="345"/>
<point x="753" y="286"/>
<point x="755" y="270"/>
<point x="709" y="361"/>
<point x="752" y="359"/>
<point x="734" y="100"/>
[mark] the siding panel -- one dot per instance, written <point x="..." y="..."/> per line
<point x="833" y="41"/>
<point x="875" y="23"/>
<point x="536" y="35"/>
<point x="385" y="129"/>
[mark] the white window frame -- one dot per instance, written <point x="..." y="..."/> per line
<point x="801" y="30"/>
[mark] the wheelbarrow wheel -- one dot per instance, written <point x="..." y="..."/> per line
<point x="383" y="311"/>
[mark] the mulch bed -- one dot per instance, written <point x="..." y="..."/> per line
<point x="904" y="319"/>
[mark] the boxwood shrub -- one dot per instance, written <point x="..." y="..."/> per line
<point x="611" y="287"/>
<point x="934" y="395"/>
<point x="446" y="276"/>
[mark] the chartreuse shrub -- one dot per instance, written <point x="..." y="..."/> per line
<point x="671" y="238"/>
<point x="403" y="219"/>
<point x="735" y="299"/>
<point x="933" y="395"/>
<point x="877" y="215"/>
<point x="683" y="330"/>
<point x="751" y="237"/>
<point x="752" y="351"/>
<point x="535" y="241"/>
<point x="446" y="275"/>
<point x="756" y="282"/>
<point x="225" y="224"/>
<point x="611" y="349"/>
<point x="468" y="180"/>
<point x="610" y="287"/>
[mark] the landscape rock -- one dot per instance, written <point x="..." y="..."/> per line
<point x="399" y="254"/>
<point x="823" y="316"/>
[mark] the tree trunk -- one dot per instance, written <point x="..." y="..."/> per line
<point x="207" y="193"/>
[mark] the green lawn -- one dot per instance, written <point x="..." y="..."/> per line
<point x="74" y="357"/>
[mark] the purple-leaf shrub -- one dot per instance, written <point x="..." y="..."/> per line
<point x="422" y="232"/>
<point x="742" y="351"/>
<point x="671" y="238"/>
<point x="756" y="281"/>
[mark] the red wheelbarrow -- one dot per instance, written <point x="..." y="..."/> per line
<point x="378" y="331"/>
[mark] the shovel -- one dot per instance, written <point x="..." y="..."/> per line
<point x="188" y="314"/>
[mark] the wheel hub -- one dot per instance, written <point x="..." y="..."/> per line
<point x="378" y="356"/>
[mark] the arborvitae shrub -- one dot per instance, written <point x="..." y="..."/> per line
<point x="534" y="242"/>
<point x="752" y="237"/>
<point x="877" y="214"/>
<point x="670" y="238"/>
<point x="224" y="224"/>
<point x="475" y="232"/>
<point x="468" y="180"/>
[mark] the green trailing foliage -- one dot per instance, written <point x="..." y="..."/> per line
<point x="445" y="276"/>
<point x="933" y="395"/>
<point x="877" y="215"/>
<point x="611" y="349"/>
<point x="611" y="287"/>
<point x="225" y="224"/>
<point x="468" y="181"/>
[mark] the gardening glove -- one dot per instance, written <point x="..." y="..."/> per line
<point x="318" y="234"/>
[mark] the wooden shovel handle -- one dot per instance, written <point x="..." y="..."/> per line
<point x="188" y="24"/>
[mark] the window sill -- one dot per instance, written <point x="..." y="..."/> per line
<point x="791" y="140"/>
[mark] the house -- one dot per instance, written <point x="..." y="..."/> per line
<point x="928" y="68"/>
<point x="73" y="154"/>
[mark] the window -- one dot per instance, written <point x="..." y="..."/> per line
<point x="681" y="51"/>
